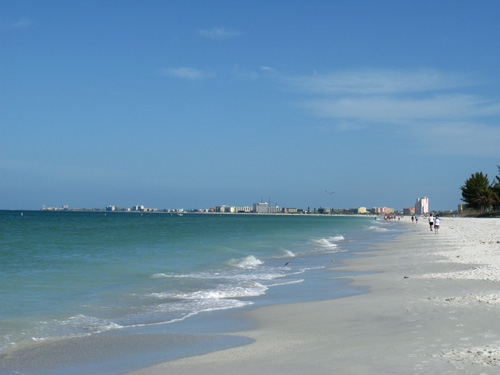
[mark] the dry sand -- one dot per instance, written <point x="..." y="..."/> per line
<point x="433" y="308"/>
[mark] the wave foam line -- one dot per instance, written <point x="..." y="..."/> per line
<point x="253" y="290"/>
<point x="221" y="276"/>
<point x="288" y="283"/>
<point x="235" y="304"/>
<point x="286" y="254"/>
<point x="245" y="263"/>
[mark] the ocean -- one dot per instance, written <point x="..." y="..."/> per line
<point x="172" y="282"/>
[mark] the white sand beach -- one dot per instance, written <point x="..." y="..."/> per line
<point x="432" y="308"/>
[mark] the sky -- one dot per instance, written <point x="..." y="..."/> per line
<point x="194" y="104"/>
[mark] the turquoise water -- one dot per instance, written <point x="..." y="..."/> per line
<point x="72" y="274"/>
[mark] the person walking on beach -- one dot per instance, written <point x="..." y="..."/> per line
<point x="436" y="225"/>
<point x="412" y="218"/>
<point x="416" y="219"/>
<point x="431" y="221"/>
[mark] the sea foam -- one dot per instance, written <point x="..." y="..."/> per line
<point x="74" y="326"/>
<point x="329" y="243"/>
<point x="245" y="263"/>
<point x="250" y="289"/>
<point x="286" y="254"/>
<point x="378" y="229"/>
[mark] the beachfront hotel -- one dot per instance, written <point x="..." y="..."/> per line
<point x="265" y="208"/>
<point x="422" y="206"/>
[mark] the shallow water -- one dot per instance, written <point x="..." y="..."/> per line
<point x="90" y="276"/>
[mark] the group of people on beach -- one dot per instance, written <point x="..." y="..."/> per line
<point x="433" y="222"/>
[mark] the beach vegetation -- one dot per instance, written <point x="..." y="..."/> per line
<point x="496" y="190"/>
<point x="478" y="193"/>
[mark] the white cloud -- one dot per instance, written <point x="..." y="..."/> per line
<point x="21" y="23"/>
<point x="185" y="73"/>
<point x="244" y="74"/>
<point x="218" y="33"/>
<point x="397" y="110"/>
<point x="377" y="82"/>
<point x="430" y="103"/>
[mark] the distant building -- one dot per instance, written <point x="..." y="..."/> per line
<point x="243" y="209"/>
<point x="324" y="211"/>
<point x="264" y="208"/>
<point x="362" y="210"/>
<point x="409" y="211"/>
<point x="382" y="210"/>
<point x="273" y="210"/>
<point x="422" y="206"/>
<point x="260" y="208"/>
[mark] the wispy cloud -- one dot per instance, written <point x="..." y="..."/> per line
<point x="396" y="110"/>
<point x="244" y="74"/>
<point x="20" y="24"/>
<point x="377" y="82"/>
<point x="187" y="73"/>
<point x="218" y="33"/>
<point x="461" y="138"/>
<point x="431" y="102"/>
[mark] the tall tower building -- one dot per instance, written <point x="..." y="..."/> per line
<point x="422" y="206"/>
<point x="261" y="208"/>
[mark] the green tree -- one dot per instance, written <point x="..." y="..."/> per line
<point x="496" y="190"/>
<point x="478" y="193"/>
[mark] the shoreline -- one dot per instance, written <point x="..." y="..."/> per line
<point x="129" y="347"/>
<point x="430" y="309"/>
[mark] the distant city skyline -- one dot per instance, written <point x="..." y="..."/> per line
<point x="421" y="207"/>
<point x="189" y="104"/>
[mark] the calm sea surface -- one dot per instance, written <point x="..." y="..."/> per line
<point x="72" y="274"/>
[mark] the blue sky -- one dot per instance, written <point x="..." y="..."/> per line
<point x="190" y="104"/>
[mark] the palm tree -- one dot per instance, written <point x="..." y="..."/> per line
<point x="496" y="190"/>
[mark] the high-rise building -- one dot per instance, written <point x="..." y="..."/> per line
<point x="422" y="206"/>
<point x="260" y="208"/>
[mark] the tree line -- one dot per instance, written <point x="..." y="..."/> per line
<point x="481" y="194"/>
